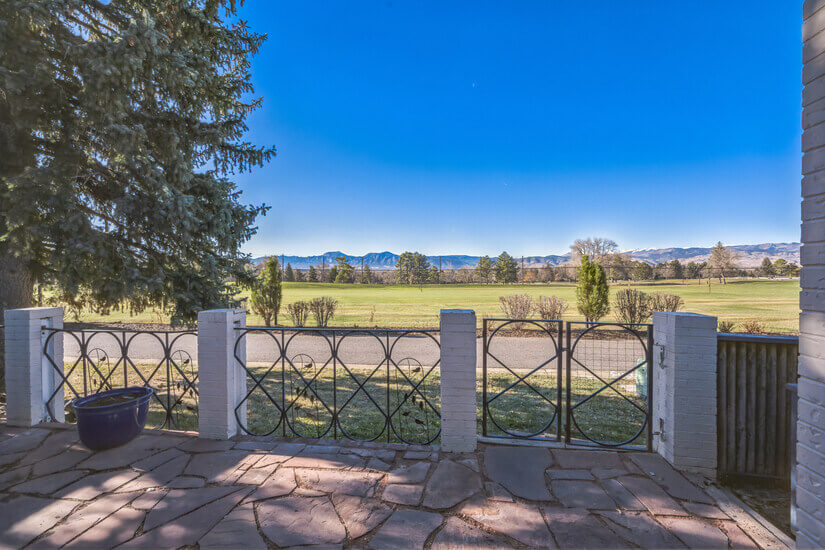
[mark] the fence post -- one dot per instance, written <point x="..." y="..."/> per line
<point x="221" y="380"/>
<point x="684" y="392"/>
<point x="458" y="380"/>
<point x="30" y="377"/>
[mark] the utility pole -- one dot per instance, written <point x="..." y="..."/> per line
<point x="440" y="273"/>
<point x="522" y="269"/>
<point x="323" y="269"/>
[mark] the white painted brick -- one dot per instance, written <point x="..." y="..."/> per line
<point x="30" y="377"/>
<point x="222" y="381"/>
<point x="458" y="380"/>
<point x="684" y="393"/>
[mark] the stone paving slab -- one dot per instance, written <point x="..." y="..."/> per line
<point x="171" y="490"/>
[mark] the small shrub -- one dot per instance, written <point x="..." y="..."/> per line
<point x="753" y="327"/>
<point x="725" y="326"/>
<point x="323" y="309"/>
<point x="298" y="311"/>
<point x="661" y="301"/>
<point x="632" y="306"/>
<point x="551" y="307"/>
<point x="516" y="306"/>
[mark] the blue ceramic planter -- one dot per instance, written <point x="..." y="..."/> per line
<point x="103" y="426"/>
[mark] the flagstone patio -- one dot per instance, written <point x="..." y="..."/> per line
<point x="168" y="490"/>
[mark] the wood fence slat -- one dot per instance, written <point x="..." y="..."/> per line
<point x="750" y="369"/>
<point x="732" y="405"/>
<point x="741" y="408"/>
<point x="753" y="405"/>
<point x="771" y="413"/>
<point x="784" y="411"/>
<point x="762" y="443"/>
<point x="721" y="406"/>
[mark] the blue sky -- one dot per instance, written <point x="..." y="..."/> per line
<point x="485" y="126"/>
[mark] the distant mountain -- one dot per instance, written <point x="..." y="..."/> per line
<point x="750" y="255"/>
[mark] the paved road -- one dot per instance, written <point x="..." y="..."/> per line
<point x="516" y="352"/>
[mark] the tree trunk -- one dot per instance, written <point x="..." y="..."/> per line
<point x="16" y="288"/>
<point x="16" y="282"/>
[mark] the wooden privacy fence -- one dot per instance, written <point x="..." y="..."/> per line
<point x="755" y="417"/>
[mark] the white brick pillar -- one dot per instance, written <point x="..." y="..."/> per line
<point x="30" y="377"/>
<point x="684" y="390"/>
<point x="810" y="449"/>
<point x="458" y="380"/>
<point x="221" y="379"/>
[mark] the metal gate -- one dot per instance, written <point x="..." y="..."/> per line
<point x="588" y="383"/>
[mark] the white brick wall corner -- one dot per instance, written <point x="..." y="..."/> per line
<point x="30" y="377"/>
<point x="221" y="379"/>
<point x="810" y="448"/>
<point x="458" y="380"/>
<point x="684" y="390"/>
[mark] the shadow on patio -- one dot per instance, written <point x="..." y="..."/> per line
<point x="167" y="490"/>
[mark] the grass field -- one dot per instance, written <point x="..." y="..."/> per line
<point x="773" y="302"/>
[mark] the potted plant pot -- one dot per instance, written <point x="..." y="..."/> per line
<point x="111" y="418"/>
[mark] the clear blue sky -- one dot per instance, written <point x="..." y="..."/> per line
<point x="485" y="126"/>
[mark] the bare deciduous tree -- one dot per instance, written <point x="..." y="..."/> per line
<point x="594" y="248"/>
<point x="721" y="262"/>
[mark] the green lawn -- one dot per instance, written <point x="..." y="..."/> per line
<point x="773" y="302"/>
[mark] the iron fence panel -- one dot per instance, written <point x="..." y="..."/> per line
<point x="103" y="359"/>
<point x="359" y="384"/>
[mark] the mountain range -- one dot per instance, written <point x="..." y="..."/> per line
<point x="750" y="255"/>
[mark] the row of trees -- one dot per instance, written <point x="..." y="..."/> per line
<point x="414" y="268"/>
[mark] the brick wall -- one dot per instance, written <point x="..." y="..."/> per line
<point x="684" y="392"/>
<point x="458" y="380"/>
<point x="811" y="422"/>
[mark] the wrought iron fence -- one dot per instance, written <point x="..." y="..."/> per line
<point x="601" y="397"/>
<point x="609" y="384"/>
<point x="522" y="401"/>
<point x="101" y="359"/>
<point x="377" y="384"/>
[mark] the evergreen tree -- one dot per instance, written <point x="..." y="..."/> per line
<point x="120" y="125"/>
<point x="345" y="273"/>
<point x="332" y="275"/>
<point x="766" y="269"/>
<point x="506" y="269"/>
<point x="484" y="269"/>
<point x="299" y="276"/>
<point x="266" y="293"/>
<point x="412" y="268"/>
<point x="693" y="270"/>
<point x="780" y="267"/>
<point x="592" y="292"/>
<point x="312" y="275"/>
<point x="675" y="269"/>
<point x="289" y="275"/>
<point x="434" y="276"/>
<point x="642" y="271"/>
<point x="366" y="276"/>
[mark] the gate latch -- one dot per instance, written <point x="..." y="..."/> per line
<point x="661" y="349"/>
